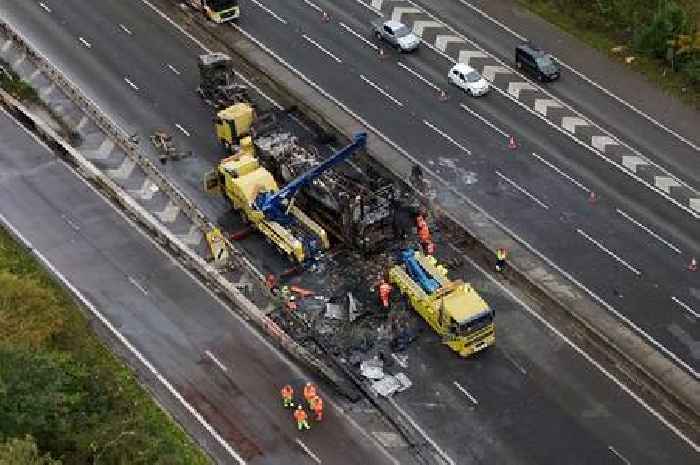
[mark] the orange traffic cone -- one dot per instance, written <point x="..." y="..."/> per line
<point x="693" y="265"/>
<point x="442" y="95"/>
<point x="511" y="142"/>
<point x="592" y="198"/>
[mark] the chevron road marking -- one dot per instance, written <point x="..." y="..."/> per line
<point x="631" y="162"/>
<point x="665" y="183"/>
<point x="600" y="142"/>
<point x="420" y="26"/>
<point x="169" y="213"/>
<point x="103" y="151"/>
<point x="147" y="190"/>
<point x="514" y="88"/>
<point x="193" y="237"/>
<point x="442" y="41"/>
<point x="490" y="71"/>
<point x="377" y="4"/>
<point x="542" y="104"/>
<point x="124" y="170"/>
<point x="695" y="204"/>
<point x="466" y="55"/>
<point x="571" y="122"/>
<point x="399" y="11"/>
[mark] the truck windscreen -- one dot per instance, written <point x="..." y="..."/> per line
<point x="222" y="5"/>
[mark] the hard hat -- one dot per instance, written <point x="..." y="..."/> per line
<point x="292" y="298"/>
<point x="299" y="407"/>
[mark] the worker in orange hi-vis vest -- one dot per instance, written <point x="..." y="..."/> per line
<point x="317" y="407"/>
<point x="384" y="293"/>
<point x="287" y="396"/>
<point x="301" y="418"/>
<point x="420" y="222"/>
<point x="309" y="392"/>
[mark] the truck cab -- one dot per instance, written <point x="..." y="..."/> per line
<point x="218" y="11"/>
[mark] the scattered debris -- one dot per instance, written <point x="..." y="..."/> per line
<point x="402" y="360"/>
<point x="372" y="369"/>
<point x="334" y="311"/>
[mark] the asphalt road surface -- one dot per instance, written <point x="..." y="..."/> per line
<point x="215" y="361"/>
<point x="537" y="401"/>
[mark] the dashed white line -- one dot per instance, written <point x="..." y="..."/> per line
<point x="184" y="131"/>
<point x="466" y="393"/>
<point x="514" y="362"/>
<point x="685" y="306"/>
<point x="313" y="5"/>
<point x="125" y="29"/>
<point x="619" y="455"/>
<point x="651" y="233"/>
<point x="484" y="120"/>
<point x="380" y="90"/>
<point x="216" y="361"/>
<point x="270" y="12"/>
<point x="84" y="42"/>
<point x="609" y="252"/>
<point x="137" y="285"/>
<point x="173" y="69"/>
<point x="45" y="7"/>
<point x="308" y="451"/>
<point x="359" y="36"/>
<point x="419" y="76"/>
<point x="317" y="45"/>
<point x="572" y="180"/>
<point x="70" y="223"/>
<point x="631" y="324"/>
<point x="447" y="137"/>
<point x="128" y="81"/>
<point x="522" y="190"/>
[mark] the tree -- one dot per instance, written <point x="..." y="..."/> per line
<point x="669" y="21"/>
<point x="23" y="452"/>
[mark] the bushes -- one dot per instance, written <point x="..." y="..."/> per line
<point x="669" y="21"/>
<point x="23" y="452"/>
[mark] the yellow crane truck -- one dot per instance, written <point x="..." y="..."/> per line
<point x="218" y="11"/>
<point x="254" y="192"/>
<point x="453" y="309"/>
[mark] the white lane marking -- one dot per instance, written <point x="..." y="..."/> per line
<point x="465" y="392"/>
<point x="133" y="86"/>
<point x="216" y="361"/>
<point x="636" y="328"/>
<point x="173" y="69"/>
<point x="154" y="371"/>
<point x="374" y="7"/>
<point x="421" y="431"/>
<point x="380" y="90"/>
<point x="447" y="137"/>
<point x="514" y="362"/>
<point x="324" y="50"/>
<point x="359" y="36"/>
<point x="307" y="450"/>
<point x="125" y="29"/>
<point x="553" y="167"/>
<point x="580" y="351"/>
<point x="591" y="82"/>
<point x="619" y="455"/>
<point x="184" y="131"/>
<point x="522" y="190"/>
<point x="84" y="42"/>
<point x="137" y="285"/>
<point x="484" y="120"/>
<point x="70" y="223"/>
<point x="45" y="7"/>
<point x="561" y="130"/>
<point x="199" y="43"/>
<point x="419" y="76"/>
<point x="609" y="252"/>
<point x="314" y="6"/>
<point x="685" y="306"/>
<point x="652" y="233"/>
<point x="270" y="12"/>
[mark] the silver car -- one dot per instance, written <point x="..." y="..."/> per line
<point x="396" y="34"/>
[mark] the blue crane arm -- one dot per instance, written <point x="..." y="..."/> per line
<point x="417" y="273"/>
<point x="272" y="203"/>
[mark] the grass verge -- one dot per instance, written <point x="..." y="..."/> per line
<point x="61" y="386"/>
<point x="655" y="70"/>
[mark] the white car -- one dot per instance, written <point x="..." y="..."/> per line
<point x="466" y="78"/>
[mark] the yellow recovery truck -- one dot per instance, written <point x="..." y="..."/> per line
<point x="453" y="309"/>
<point x="254" y="192"/>
<point x="219" y="11"/>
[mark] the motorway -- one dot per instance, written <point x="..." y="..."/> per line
<point x="630" y="247"/>
<point x="537" y="400"/>
<point x="219" y="365"/>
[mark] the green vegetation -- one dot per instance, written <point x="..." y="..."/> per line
<point x="662" y="35"/>
<point x="13" y="85"/>
<point x="64" y="398"/>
